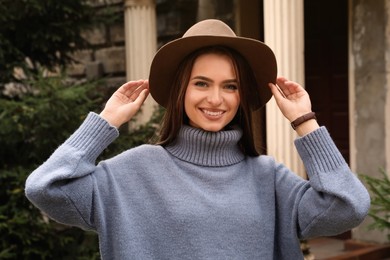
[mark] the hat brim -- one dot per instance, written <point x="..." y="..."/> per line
<point x="166" y="61"/>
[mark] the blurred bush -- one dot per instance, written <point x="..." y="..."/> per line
<point x="38" y="111"/>
<point x="44" y="32"/>
<point x="32" y="126"/>
<point x="380" y="201"/>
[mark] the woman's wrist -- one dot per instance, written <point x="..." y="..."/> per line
<point x="307" y="127"/>
<point x="107" y="116"/>
<point x="301" y="119"/>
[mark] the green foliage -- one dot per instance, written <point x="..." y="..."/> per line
<point x="31" y="127"/>
<point x="25" y="234"/>
<point x="380" y="201"/>
<point x="42" y="114"/>
<point x="43" y="118"/>
<point x="45" y="31"/>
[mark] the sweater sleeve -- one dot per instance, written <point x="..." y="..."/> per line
<point x="335" y="200"/>
<point x="62" y="187"/>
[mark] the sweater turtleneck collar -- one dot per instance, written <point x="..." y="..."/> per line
<point x="204" y="148"/>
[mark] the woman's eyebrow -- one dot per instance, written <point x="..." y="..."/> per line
<point x="202" y="78"/>
<point x="210" y="80"/>
<point x="230" y="81"/>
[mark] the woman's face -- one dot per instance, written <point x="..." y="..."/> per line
<point x="212" y="98"/>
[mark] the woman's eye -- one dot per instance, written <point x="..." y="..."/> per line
<point x="200" y="84"/>
<point x="231" y="87"/>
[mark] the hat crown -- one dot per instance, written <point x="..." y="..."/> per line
<point x="210" y="27"/>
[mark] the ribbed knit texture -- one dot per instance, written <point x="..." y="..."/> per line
<point x="207" y="148"/>
<point x="315" y="147"/>
<point x="95" y="139"/>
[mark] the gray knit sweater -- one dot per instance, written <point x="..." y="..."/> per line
<point x="199" y="198"/>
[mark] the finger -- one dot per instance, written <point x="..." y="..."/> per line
<point x="280" y="91"/>
<point x="141" y="97"/>
<point x="131" y="91"/>
<point x="283" y="84"/>
<point x="130" y="86"/>
<point x="288" y="87"/>
<point x="281" y="81"/>
<point x="134" y="95"/>
<point x="276" y="91"/>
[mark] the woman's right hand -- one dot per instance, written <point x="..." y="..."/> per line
<point x="125" y="102"/>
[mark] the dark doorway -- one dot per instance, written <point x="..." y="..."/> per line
<point x="326" y="67"/>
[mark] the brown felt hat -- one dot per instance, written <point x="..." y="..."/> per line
<point x="205" y="33"/>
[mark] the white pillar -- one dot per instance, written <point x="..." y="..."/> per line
<point x="284" y="33"/>
<point x="141" y="45"/>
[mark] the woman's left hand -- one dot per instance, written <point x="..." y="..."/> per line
<point x="292" y="100"/>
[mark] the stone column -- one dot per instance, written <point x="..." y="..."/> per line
<point x="369" y="95"/>
<point x="141" y="45"/>
<point x="283" y="32"/>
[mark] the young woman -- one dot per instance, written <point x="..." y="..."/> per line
<point x="203" y="191"/>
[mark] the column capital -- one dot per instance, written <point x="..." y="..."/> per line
<point x="131" y="3"/>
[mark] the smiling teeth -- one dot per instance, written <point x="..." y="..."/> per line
<point x="213" y="113"/>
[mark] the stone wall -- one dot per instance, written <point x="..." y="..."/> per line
<point x="370" y="45"/>
<point x="107" y="57"/>
<point x="174" y="17"/>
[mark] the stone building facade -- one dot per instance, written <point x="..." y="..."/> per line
<point x="107" y="58"/>
<point x="283" y="25"/>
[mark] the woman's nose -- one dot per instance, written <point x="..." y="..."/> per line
<point x="215" y="97"/>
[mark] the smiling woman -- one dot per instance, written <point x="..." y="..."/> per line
<point x="235" y="71"/>
<point x="203" y="191"/>
<point x="212" y="98"/>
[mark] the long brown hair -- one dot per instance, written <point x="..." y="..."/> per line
<point x="175" y="116"/>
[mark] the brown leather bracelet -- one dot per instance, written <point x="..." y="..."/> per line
<point x="302" y="119"/>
